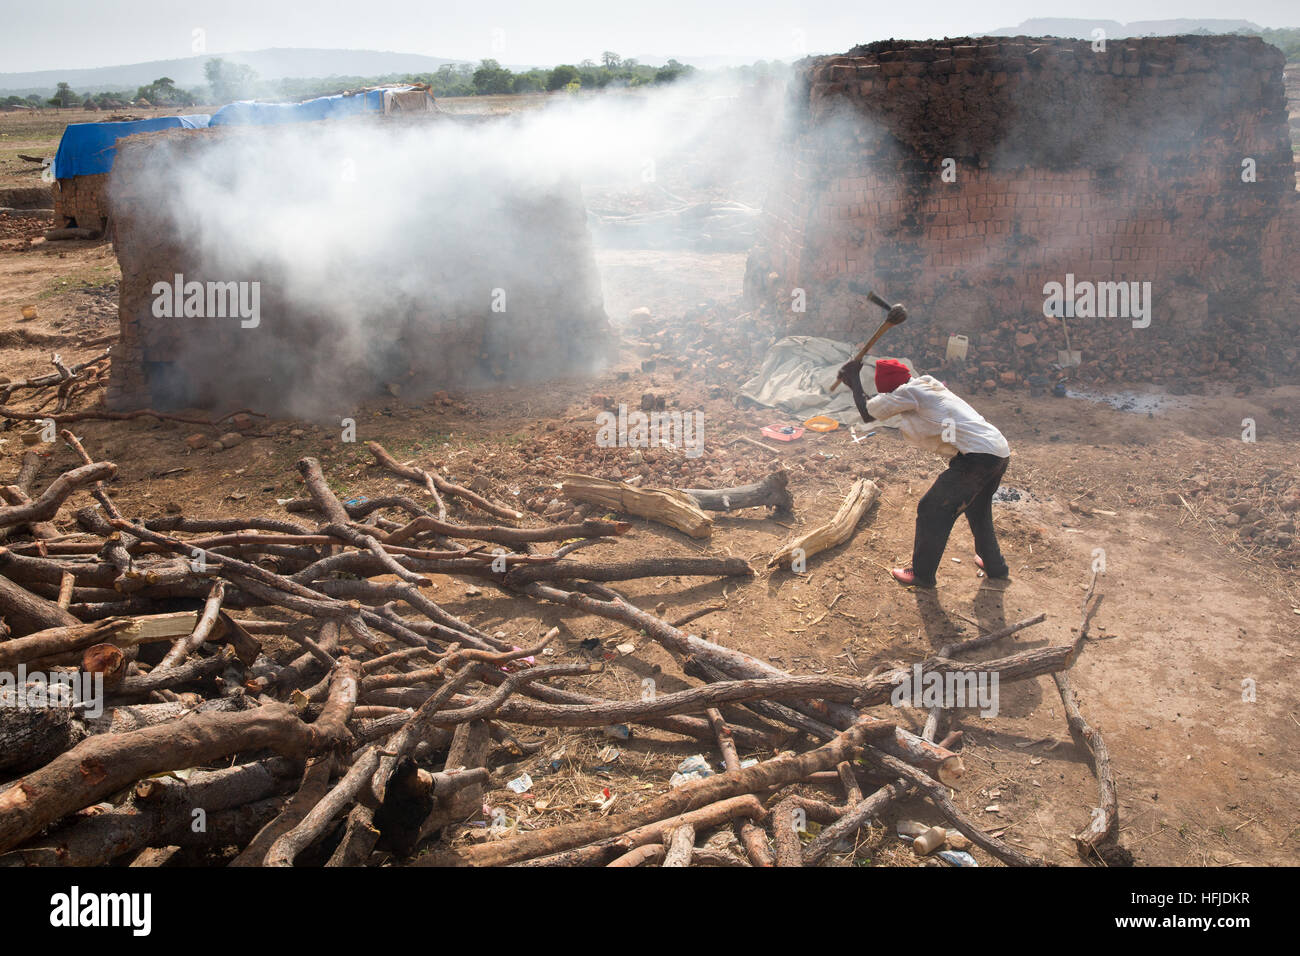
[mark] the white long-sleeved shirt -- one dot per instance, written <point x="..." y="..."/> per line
<point x="929" y="415"/>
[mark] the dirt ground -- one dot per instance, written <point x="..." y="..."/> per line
<point x="1191" y="610"/>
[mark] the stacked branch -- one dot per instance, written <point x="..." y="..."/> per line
<point x="294" y="679"/>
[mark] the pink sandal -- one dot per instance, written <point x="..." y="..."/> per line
<point x="979" y="563"/>
<point x="907" y="577"/>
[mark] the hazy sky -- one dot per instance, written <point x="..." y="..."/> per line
<point x="89" y="33"/>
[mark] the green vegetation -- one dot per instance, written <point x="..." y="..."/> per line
<point x="32" y="99"/>
<point x="1287" y="40"/>
<point x="164" y="92"/>
<point x="229" y="81"/>
<point x="63" y="97"/>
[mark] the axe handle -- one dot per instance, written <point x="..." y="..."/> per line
<point x="862" y="352"/>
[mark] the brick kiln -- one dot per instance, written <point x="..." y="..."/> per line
<point x="1119" y="165"/>
<point x="410" y="309"/>
<point x="81" y="201"/>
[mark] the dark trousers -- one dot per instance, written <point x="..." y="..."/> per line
<point x="968" y="485"/>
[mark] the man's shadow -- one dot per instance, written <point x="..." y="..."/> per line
<point x="1014" y="699"/>
<point x="940" y="627"/>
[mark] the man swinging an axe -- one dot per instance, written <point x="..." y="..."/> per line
<point x="933" y="418"/>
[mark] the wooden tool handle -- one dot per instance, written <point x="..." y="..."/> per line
<point x="862" y="352"/>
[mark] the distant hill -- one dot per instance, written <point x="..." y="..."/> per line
<point x="273" y="64"/>
<point x="1082" y="29"/>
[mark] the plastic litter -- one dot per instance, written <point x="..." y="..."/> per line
<point x="821" y="423"/>
<point x="521" y="784"/>
<point x="692" y="768"/>
<point x="957" y="858"/>
<point x="782" y="432"/>
<point x="929" y="841"/>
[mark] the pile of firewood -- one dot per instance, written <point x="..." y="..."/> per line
<point x="371" y="742"/>
<point x="54" y="391"/>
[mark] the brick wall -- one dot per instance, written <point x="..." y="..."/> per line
<point x="1115" y="165"/>
<point x="81" y="201"/>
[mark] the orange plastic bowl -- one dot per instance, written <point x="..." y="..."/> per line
<point x="821" y="423"/>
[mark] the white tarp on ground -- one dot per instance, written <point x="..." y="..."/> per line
<point x="797" y="375"/>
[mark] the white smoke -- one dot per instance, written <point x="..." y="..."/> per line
<point x="393" y="234"/>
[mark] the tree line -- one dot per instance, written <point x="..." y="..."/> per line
<point x="228" y="82"/>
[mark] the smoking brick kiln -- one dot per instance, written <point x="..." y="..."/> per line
<point x="1164" y="160"/>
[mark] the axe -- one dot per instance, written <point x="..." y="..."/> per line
<point x="895" y="315"/>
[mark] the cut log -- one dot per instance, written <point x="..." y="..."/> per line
<point x="103" y="764"/>
<point x="680" y="845"/>
<point x="161" y="810"/>
<point x="26" y="613"/>
<point x="63" y="639"/>
<point x="676" y="509"/>
<point x="771" y="492"/>
<point x="835" y="532"/>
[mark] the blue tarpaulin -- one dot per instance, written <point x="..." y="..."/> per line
<point x="272" y="114"/>
<point x="89" y="148"/>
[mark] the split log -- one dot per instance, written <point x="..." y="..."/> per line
<point x="835" y="532"/>
<point x="203" y="628"/>
<point x="676" y="509"/>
